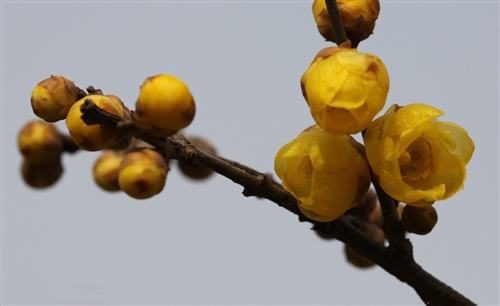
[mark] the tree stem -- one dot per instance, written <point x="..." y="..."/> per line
<point x="336" y="21"/>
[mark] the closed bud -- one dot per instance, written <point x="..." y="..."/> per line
<point x="345" y="89"/>
<point x="419" y="220"/>
<point x="165" y="105"/>
<point x="365" y="207"/>
<point x="39" y="142"/>
<point x="52" y="98"/>
<point x="41" y="175"/>
<point x="143" y="173"/>
<point x="377" y="218"/>
<point x="194" y="171"/>
<point x="106" y="169"/>
<point x="94" y="137"/>
<point x="358" y="17"/>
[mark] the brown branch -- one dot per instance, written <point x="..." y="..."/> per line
<point x="397" y="259"/>
<point x="336" y="21"/>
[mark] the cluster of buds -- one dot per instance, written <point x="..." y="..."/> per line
<point x="164" y="106"/>
<point x="412" y="156"/>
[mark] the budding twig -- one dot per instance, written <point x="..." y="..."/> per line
<point x="394" y="260"/>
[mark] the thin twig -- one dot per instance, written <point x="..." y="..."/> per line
<point x="336" y="21"/>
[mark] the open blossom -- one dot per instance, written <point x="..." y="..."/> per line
<point x="345" y="89"/>
<point x="417" y="158"/>
<point x="326" y="174"/>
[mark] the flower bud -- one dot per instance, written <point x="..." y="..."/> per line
<point x="41" y="175"/>
<point x="345" y="89"/>
<point x="326" y="174"/>
<point x="358" y="17"/>
<point x="39" y="142"/>
<point x="194" y="171"/>
<point x="419" y="220"/>
<point x="143" y="173"/>
<point x="377" y="218"/>
<point x="165" y="105"/>
<point x="365" y="207"/>
<point x="106" y="170"/>
<point x="93" y="137"/>
<point x="355" y="258"/>
<point x="53" y="97"/>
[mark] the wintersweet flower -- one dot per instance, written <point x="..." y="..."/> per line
<point x="345" y="89"/>
<point x="418" y="159"/>
<point x="326" y="174"/>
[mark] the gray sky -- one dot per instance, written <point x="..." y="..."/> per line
<point x="204" y="243"/>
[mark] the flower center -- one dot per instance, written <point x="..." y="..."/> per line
<point x="415" y="162"/>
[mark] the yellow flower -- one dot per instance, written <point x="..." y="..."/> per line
<point x="358" y="17"/>
<point x="345" y="89"/>
<point x="326" y="174"/>
<point x="418" y="159"/>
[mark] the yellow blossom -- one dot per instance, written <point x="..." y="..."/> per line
<point x="345" y="89"/>
<point x="326" y="174"/>
<point x="417" y="158"/>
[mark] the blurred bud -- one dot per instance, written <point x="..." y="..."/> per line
<point x="41" y="175"/>
<point x="355" y="258"/>
<point x="53" y="97"/>
<point x="39" y="142"/>
<point x="377" y="218"/>
<point x="143" y="173"/>
<point x="194" y="171"/>
<point x="165" y="105"/>
<point x="94" y="137"/>
<point x="419" y="220"/>
<point x="358" y="17"/>
<point x="365" y="207"/>
<point x="106" y="169"/>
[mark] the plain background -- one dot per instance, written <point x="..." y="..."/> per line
<point x="204" y="243"/>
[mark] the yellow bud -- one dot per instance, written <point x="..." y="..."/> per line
<point x="53" y="97"/>
<point x="106" y="170"/>
<point x="39" y="142"/>
<point x="358" y="17"/>
<point x="418" y="160"/>
<point x="194" y="171"/>
<point x="41" y="175"/>
<point x="93" y="137"/>
<point x="326" y="174"/>
<point x="419" y="220"/>
<point x="345" y="89"/>
<point x="165" y="105"/>
<point x="143" y="173"/>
